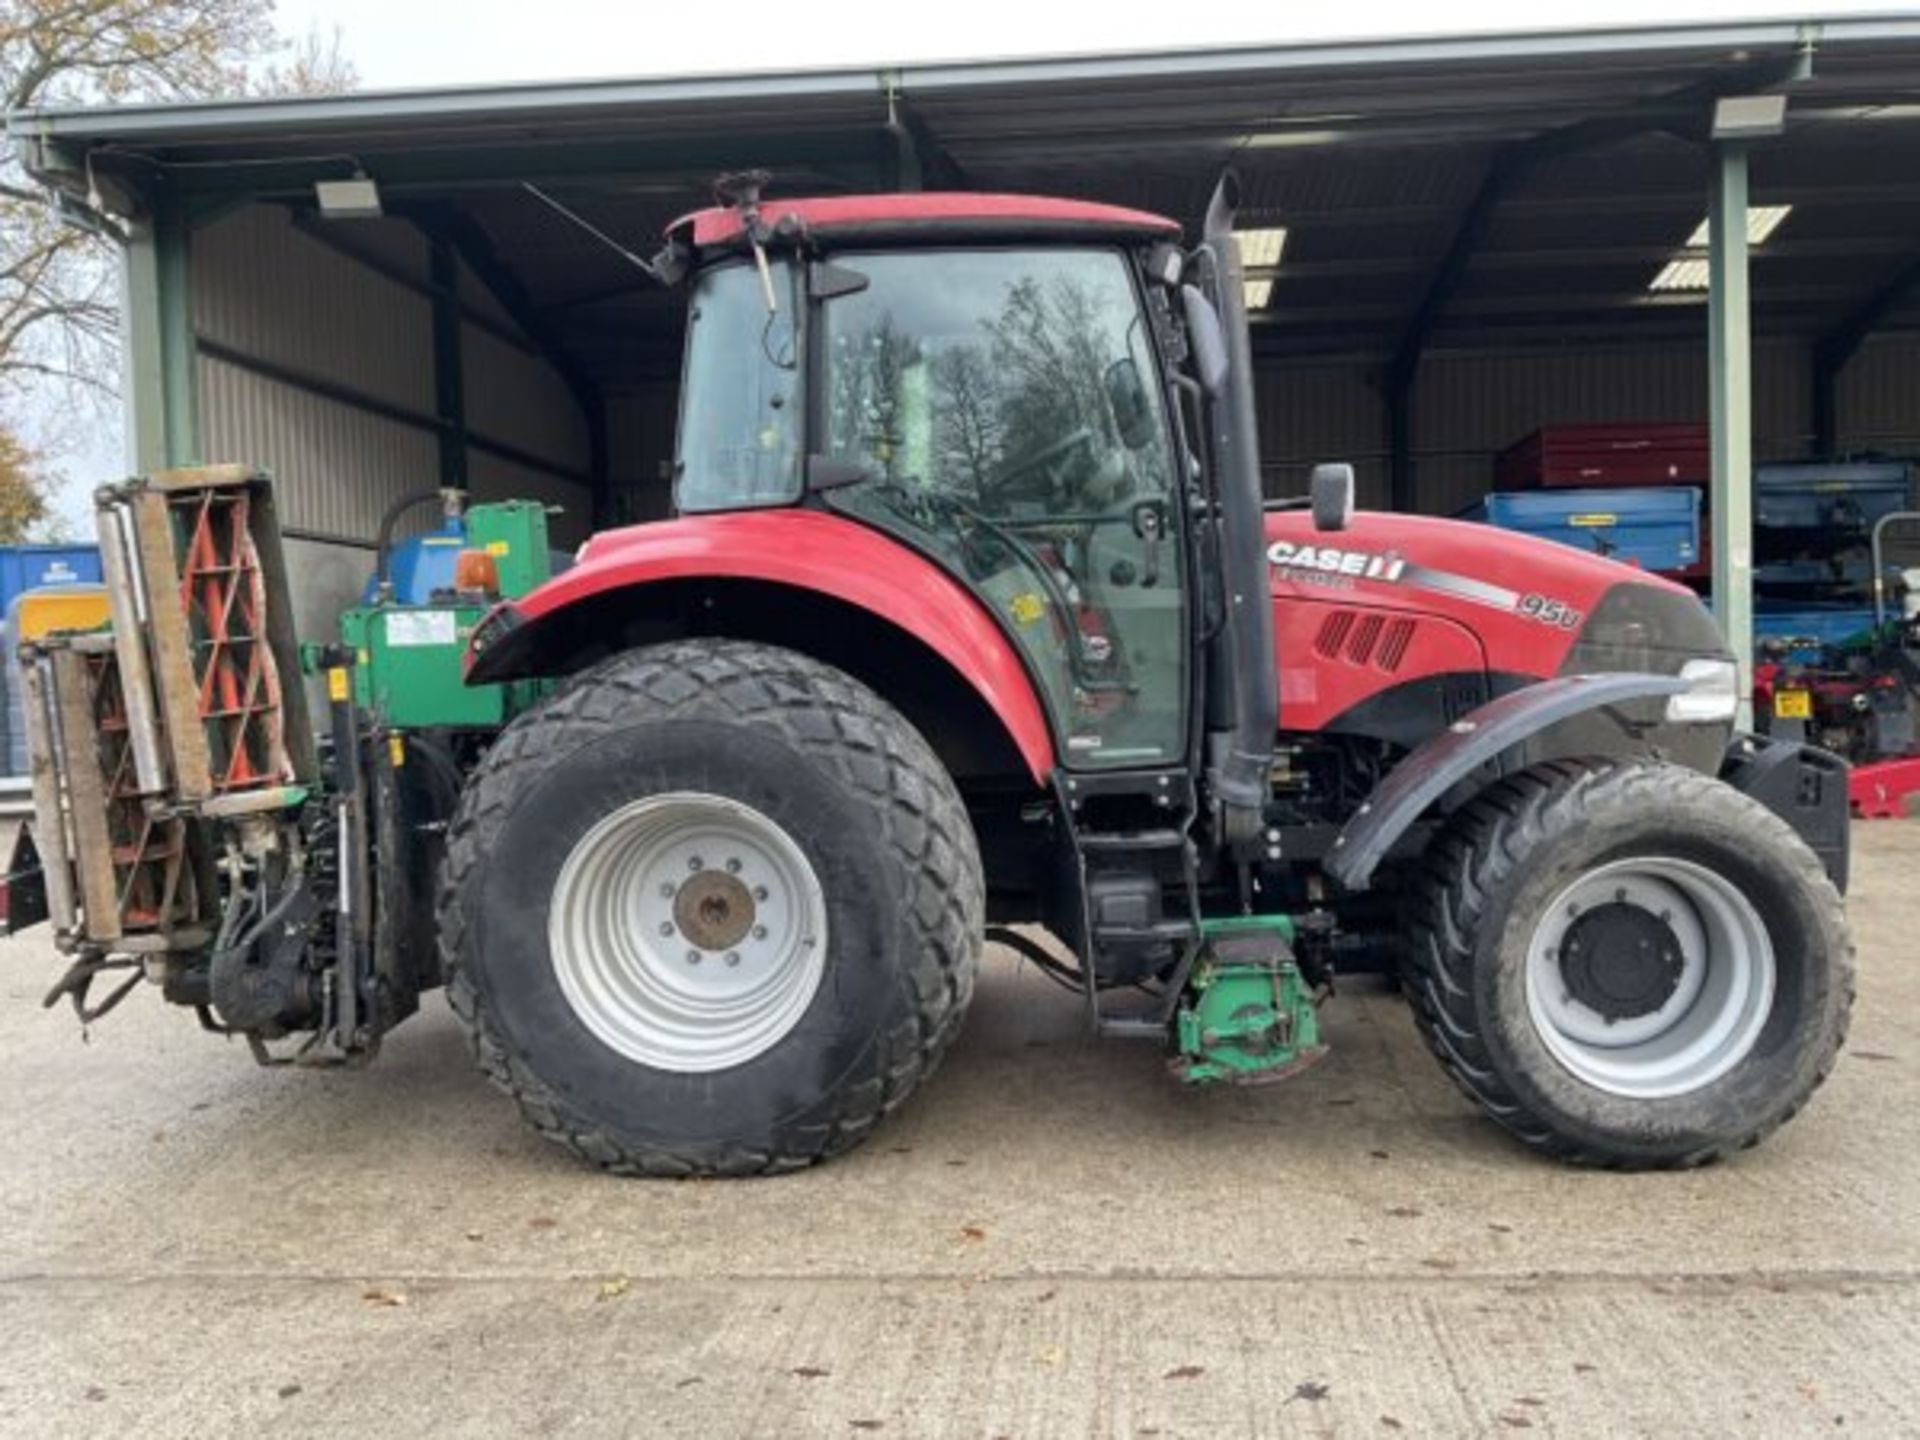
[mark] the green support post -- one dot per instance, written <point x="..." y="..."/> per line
<point x="449" y="379"/>
<point x="162" y="391"/>
<point x="1730" y="385"/>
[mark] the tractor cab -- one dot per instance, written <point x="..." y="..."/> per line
<point x="987" y="380"/>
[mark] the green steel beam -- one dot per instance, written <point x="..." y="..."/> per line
<point x="1730" y="386"/>
<point x="179" y="383"/>
<point x="691" y="159"/>
<point x="161" y="389"/>
<point x="449" y="375"/>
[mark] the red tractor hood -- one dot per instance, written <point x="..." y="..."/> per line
<point x="1394" y="599"/>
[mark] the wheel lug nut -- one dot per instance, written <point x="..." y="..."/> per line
<point x="733" y="866"/>
<point x="666" y="927"/>
<point x="666" y="891"/>
<point x="694" y="862"/>
<point x="693" y="957"/>
<point x="759" y="932"/>
<point x="759" y="892"/>
<point x="733" y="957"/>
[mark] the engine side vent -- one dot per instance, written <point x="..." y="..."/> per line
<point x="1365" y="636"/>
<point x="1333" y="634"/>
<point x="1359" y="637"/>
<point x="1393" y="649"/>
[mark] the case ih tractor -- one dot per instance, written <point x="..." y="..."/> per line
<point x="972" y="616"/>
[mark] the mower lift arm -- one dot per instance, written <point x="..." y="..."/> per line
<point x="1462" y="748"/>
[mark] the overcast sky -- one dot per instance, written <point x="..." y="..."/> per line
<point x="402" y="43"/>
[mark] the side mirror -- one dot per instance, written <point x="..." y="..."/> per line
<point x="1207" y="340"/>
<point x="1127" y="399"/>
<point x="1331" y="487"/>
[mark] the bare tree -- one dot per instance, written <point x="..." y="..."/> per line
<point x="59" y="306"/>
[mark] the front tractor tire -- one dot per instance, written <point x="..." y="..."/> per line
<point x="713" y="908"/>
<point x="1629" y="964"/>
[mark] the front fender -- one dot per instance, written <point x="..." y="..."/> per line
<point x="1462" y="748"/>
<point x="804" y="549"/>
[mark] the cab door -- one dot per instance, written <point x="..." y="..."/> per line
<point x="1001" y="411"/>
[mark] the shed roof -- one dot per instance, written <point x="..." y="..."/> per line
<point x="1478" y="189"/>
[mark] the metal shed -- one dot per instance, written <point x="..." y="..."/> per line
<point x="1474" y="227"/>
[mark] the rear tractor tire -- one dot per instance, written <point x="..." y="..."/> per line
<point x="1629" y="964"/>
<point x="713" y="908"/>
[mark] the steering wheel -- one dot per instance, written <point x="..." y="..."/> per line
<point x="1043" y="457"/>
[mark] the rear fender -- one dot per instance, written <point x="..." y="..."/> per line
<point x="539" y="634"/>
<point x="1474" y="740"/>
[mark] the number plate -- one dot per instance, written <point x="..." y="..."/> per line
<point x="1793" y="704"/>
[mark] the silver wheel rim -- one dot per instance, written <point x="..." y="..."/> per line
<point x="1719" y="1001"/>
<point x="688" y="932"/>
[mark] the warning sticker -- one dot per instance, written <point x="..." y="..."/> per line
<point x="420" y="627"/>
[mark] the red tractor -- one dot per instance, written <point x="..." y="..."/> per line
<point x="974" y="616"/>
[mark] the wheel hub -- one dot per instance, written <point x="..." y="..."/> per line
<point x="1650" y="976"/>
<point x="688" y="931"/>
<point x="1621" y="961"/>
<point x="714" y="910"/>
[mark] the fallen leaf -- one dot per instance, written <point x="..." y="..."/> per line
<point x="956" y="1164"/>
<point x="1498" y="1228"/>
<point x="1309" y="1390"/>
<point x="287" y="1392"/>
<point x="1581" y="1367"/>
<point x="96" y="1392"/>
<point x="866" y="1424"/>
<point x="1185" y="1372"/>
<point x="542" y="1222"/>
<point x="972" y="1232"/>
<point x="1435" y="1262"/>
<point x="683" y="1384"/>
<point x="1516" y="1422"/>
<point x="374" y="1295"/>
<point x="476" y="1235"/>
<point x="1534" y="1400"/>
<point x="1379" y="1154"/>
<point x="616" y="1287"/>
<point x="1389" y="1423"/>
<point x="809" y="1372"/>
<point x="1404" y="1212"/>
<point x="1870" y="1055"/>
<point x="1052" y="1355"/>
<point x="1045" y="1296"/>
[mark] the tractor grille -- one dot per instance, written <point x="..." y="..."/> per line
<point x="1361" y="639"/>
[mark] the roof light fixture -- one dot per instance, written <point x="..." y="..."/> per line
<point x="1749" y="117"/>
<point x="354" y="199"/>
<point x="1256" y="293"/>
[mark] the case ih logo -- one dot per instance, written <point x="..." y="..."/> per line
<point x="1331" y="560"/>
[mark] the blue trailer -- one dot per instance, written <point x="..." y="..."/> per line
<point x="1656" y="529"/>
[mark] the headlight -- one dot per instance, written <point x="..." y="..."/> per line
<point x="1712" y="693"/>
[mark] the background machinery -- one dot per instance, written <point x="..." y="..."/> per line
<point x="973" y="622"/>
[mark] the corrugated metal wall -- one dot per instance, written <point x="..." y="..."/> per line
<point x="640" y="439"/>
<point x="320" y="367"/>
<point x="515" y="397"/>
<point x="1468" y="408"/>
<point x="1879" y="399"/>
<point x="265" y="290"/>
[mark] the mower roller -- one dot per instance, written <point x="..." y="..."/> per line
<point x="973" y="621"/>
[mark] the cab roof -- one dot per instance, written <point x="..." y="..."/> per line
<point x="919" y="217"/>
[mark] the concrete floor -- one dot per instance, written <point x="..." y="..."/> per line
<point x="1051" y="1240"/>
